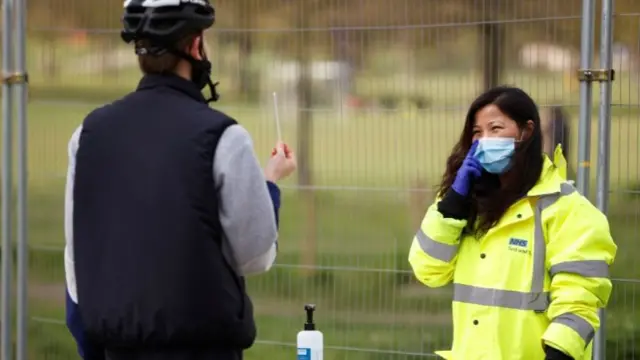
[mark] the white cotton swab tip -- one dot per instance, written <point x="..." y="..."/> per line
<point x="277" y="115"/>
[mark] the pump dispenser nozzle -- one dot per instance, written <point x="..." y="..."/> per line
<point x="310" y="341"/>
<point x="309" y="325"/>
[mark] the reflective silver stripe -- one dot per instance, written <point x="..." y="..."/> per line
<point x="539" y="251"/>
<point x="537" y="299"/>
<point x="440" y="251"/>
<point x="500" y="298"/>
<point x="586" y="268"/>
<point x="548" y="200"/>
<point x="578" y="324"/>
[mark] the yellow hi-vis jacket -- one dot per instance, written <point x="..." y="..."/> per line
<point x="537" y="277"/>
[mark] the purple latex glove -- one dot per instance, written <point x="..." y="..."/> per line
<point x="554" y="354"/>
<point x="468" y="172"/>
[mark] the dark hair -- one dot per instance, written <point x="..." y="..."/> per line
<point x="165" y="63"/>
<point x="489" y="203"/>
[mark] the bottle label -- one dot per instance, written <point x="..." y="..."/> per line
<point x="304" y="354"/>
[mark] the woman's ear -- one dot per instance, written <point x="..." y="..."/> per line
<point x="194" y="50"/>
<point x="527" y="130"/>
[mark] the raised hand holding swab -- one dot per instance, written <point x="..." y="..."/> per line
<point x="276" y="114"/>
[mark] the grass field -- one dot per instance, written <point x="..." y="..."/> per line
<point x="364" y="164"/>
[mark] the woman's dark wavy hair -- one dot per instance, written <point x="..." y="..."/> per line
<point x="490" y="201"/>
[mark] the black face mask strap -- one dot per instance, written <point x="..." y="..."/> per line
<point x="201" y="66"/>
<point x="214" y="92"/>
<point x="205" y="62"/>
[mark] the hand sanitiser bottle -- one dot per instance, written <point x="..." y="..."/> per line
<point x="310" y="340"/>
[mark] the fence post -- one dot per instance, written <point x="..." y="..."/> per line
<point x="604" y="144"/>
<point x="584" y="123"/>
<point x="305" y="141"/>
<point x="20" y="87"/>
<point x="7" y="179"/>
<point x="493" y="63"/>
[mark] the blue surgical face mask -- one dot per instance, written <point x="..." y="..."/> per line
<point x="495" y="153"/>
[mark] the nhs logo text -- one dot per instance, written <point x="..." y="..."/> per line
<point x="519" y="245"/>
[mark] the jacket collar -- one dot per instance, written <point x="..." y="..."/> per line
<point x="550" y="180"/>
<point x="187" y="87"/>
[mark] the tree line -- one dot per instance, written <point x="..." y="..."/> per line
<point x="247" y="18"/>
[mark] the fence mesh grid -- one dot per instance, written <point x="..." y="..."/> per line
<point x="622" y="332"/>
<point x="373" y="120"/>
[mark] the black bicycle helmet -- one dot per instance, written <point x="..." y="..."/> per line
<point x="165" y="21"/>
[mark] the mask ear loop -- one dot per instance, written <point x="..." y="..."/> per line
<point x="206" y="64"/>
<point x="212" y="89"/>
<point x="521" y="139"/>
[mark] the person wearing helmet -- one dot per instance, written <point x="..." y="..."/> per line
<point x="166" y="207"/>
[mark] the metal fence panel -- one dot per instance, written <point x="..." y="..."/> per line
<point x="7" y="172"/>
<point x="373" y="119"/>
<point x="622" y="332"/>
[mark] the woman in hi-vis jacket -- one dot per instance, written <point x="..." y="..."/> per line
<point x="528" y="255"/>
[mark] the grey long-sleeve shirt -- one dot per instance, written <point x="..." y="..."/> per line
<point x="246" y="208"/>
